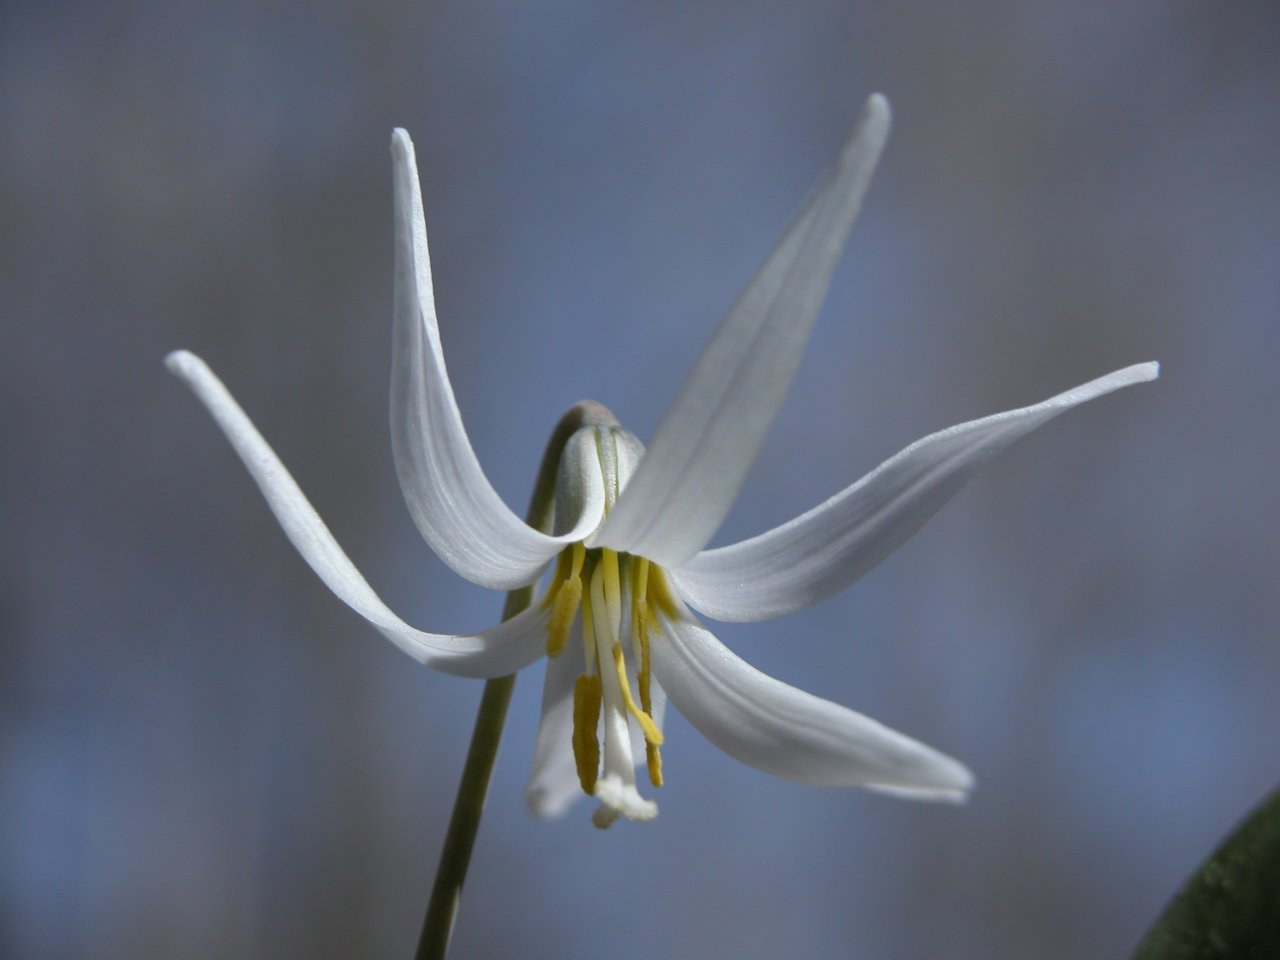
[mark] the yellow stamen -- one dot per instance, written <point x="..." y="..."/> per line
<point x="588" y="630"/>
<point x="640" y="584"/>
<point x="642" y="620"/>
<point x="587" y="695"/>
<point x="563" y="597"/>
<point x="612" y="588"/>
<point x="591" y="582"/>
<point x="660" y="591"/>
<point x="651" y="732"/>
<point x="562" y="614"/>
<point x="557" y="578"/>
<point x="641" y="623"/>
<point x="644" y="679"/>
<point x="653" y="760"/>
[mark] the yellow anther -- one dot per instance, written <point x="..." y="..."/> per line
<point x="650" y="729"/>
<point x="653" y="760"/>
<point x="641" y="624"/>
<point x="645" y="673"/>
<point x="643" y="621"/>
<point x="563" y="597"/>
<point x="587" y="695"/>
<point x="566" y="607"/>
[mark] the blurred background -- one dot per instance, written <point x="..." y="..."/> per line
<point x="204" y="754"/>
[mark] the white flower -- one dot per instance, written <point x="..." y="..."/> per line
<point x="630" y="526"/>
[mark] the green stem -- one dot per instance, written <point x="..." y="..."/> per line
<point x="442" y="908"/>
<point x="464" y="823"/>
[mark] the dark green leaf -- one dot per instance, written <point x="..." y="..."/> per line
<point x="1230" y="908"/>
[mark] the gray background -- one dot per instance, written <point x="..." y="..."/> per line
<point x="206" y="755"/>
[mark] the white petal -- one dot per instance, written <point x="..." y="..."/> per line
<point x="789" y="733"/>
<point x="824" y="550"/>
<point x="580" y="482"/>
<point x="451" y="500"/>
<point x="705" y="445"/>
<point x="553" y="783"/>
<point x="502" y="650"/>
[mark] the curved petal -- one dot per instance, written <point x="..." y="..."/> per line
<point x="709" y="438"/>
<point x="580" y="482"/>
<point x="824" y="550"/>
<point x="789" y="733"/>
<point x="451" y="500"/>
<point x="553" y="783"/>
<point x="504" y="649"/>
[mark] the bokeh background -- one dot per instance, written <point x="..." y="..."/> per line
<point x="206" y="755"/>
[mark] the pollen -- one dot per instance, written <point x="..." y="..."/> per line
<point x="586" y="720"/>
<point x="564" y="597"/>
<point x="653" y="760"/>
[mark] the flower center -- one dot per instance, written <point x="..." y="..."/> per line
<point x="619" y="597"/>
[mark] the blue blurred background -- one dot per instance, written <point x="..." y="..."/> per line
<point x="206" y="755"/>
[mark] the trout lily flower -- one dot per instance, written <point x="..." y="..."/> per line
<point x="624" y="542"/>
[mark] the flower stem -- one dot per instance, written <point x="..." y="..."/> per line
<point x="446" y="894"/>
<point x="468" y="805"/>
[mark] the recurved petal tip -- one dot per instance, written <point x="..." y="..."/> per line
<point x="401" y="144"/>
<point x="877" y="109"/>
<point x="792" y="734"/>
<point x="712" y="432"/>
<point x="950" y="781"/>
<point x="182" y="363"/>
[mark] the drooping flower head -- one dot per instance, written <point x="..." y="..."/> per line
<point x="624" y="540"/>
